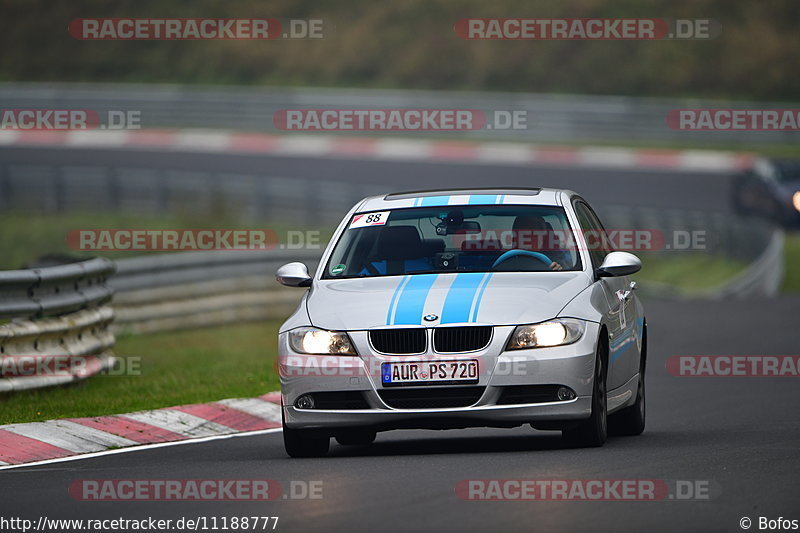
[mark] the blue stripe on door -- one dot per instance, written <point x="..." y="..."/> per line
<point x="460" y="297"/>
<point x="411" y="302"/>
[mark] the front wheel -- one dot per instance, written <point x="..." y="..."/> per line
<point x="356" y="438"/>
<point x="593" y="431"/>
<point x="304" y="442"/>
<point x="630" y="421"/>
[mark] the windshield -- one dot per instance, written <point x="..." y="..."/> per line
<point x="781" y="170"/>
<point x="788" y="170"/>
<point x="480" y="238"/>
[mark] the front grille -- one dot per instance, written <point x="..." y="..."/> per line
<point x="339" y="400"/>
<point x="431" y="398"/>
<point x="398" y="341"/>
<point x="461" y="339"/>
<point x="528" y="394"/>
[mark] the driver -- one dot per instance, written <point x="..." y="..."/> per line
<point x="529" y="230"/>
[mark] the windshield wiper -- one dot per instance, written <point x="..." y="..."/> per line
<point x="441" y="271"/>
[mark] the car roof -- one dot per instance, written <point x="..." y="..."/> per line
<point x="472" y="196"/>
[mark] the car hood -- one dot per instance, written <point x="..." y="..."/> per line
<point x="433" y="299"/>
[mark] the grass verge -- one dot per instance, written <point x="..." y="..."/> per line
<point x="176" y="368"/>
<point x="689" y="271"/>
<point x="791" y="263"/>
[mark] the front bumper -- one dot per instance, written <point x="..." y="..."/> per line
<point x="570" y="366"/>
<point x="465" y="417"/>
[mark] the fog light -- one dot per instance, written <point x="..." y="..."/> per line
<point x="306" y="401"/>
<point x="565" y="393"/>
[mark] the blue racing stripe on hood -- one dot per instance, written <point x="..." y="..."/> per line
<point x="460" y="297"/>
<point x="390" y="313"/>
<point x="479" y="298"/>
<point x="411" y="302"/>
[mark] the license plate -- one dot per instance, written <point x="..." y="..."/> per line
<point x="429" y="372"/>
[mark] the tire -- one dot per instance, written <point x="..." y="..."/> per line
<point x="304" y="442"/>
<point x="356" y="438"/>
<point x="631" y="420"/>
<point x="593" y="431"/>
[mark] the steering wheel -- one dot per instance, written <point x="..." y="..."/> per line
<point x="516" y="253"/>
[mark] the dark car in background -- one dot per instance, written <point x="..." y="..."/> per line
<point x="771" y="189"/>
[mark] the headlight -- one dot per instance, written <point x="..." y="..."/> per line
<point x="314" y="341"/>
<point x="555" y="332"/>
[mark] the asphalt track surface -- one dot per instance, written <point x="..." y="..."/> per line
<point x="602" y="186"/>
<point x="740" y="436"/>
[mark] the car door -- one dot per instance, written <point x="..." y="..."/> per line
<point x="622" y="315"/>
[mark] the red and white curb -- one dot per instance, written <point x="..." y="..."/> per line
<point x="382" y="148"/>
<point x="53" y="439"/>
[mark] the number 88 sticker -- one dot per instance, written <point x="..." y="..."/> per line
<point x="370" y="219"/>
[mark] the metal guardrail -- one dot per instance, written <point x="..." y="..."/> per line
<point x="55" y="290"/>
<point x="59" y="314"/>
<point x="56" y="351"/>
<point x="719" y="233"/>
<point x="752" y="241"/>
<point x="161" y="270"/>
<point x="763" y="277"/>
<point x="197" y="289"/>
<point x="551" y="118"/>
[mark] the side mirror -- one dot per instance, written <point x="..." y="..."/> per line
<point x="619" y="264"/>
<point x="293" y="275"/>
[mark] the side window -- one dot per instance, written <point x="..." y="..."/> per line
<point x="593" y="231"/>
<point x="606" y="242"/>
